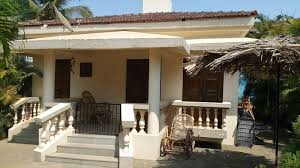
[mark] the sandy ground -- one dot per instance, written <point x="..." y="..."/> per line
<point x="21" y="156"/>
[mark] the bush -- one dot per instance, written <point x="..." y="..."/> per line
<point x="291" y="154"/>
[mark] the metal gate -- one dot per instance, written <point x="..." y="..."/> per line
<point x="98" y="118"/>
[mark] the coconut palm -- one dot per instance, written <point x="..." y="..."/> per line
<point x="8" y="27"/>
<point x="52" y="9"/>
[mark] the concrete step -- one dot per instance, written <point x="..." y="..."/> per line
<point x="93" y="139"/>
<point x="25" y="139"/>
<point x="101" y="161"/>
<point x="28" y="134"/>
<point x="88" y="149"/>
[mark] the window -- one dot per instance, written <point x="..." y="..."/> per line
<point x="86" y="69"/>
<point x="206" y="87"/>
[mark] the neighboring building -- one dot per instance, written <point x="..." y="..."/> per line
<point x="135" y="60"/>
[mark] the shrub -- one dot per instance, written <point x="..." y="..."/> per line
<point x="291" y="154"/>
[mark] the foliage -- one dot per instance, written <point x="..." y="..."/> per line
<point x="9" y="10"/>
<point x="263" y="91"/>
<point x="261" y="166"/>
<point x="12" y="82"/>
<point x="46" y="9"/>
<point x="282" y="24"/>
<point x="291" y="155"/>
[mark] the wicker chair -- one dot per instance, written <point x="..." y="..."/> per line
<point x="181" y="133"/>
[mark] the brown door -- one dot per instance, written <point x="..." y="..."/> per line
<point x="137" y="81"/>
<point x="206" y="87"/>
<point x="62" y="78"/>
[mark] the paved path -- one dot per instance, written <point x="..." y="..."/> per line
<point x="20" y="156"/>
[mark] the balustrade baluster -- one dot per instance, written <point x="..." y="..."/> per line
<point x="38" y="108"/>
<point x="34" y="109"/>
<point x="224" y="119"/>
<point x="135" y="123"/>
<point x="52" y="129"/>
<point x="16" y="117"/>
<point x="192" y="113"/>
<point x="207" y="118"/>
<point x="142" y="122"/>
<point x="126" y="140"/>
<point x="216" y="118"/>
<point x="61" y="125"/>
<point x="200" y="118"/>
<point x="44" y="136"/>
<point x="23" y="112"/>
<point x="70" y="120"/>
<point x="30" y="111"/>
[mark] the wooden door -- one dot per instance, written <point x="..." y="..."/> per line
<point x="205" y="87"/>
<point x="137" y="81"/>
<point x="62" y="78"/>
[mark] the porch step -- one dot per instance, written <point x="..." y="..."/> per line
<point x="98" y="150"/>
<point x="24" y="139"/>
<point x="93" y="139"/>
<point x="28" y="135"/>
<point x="103" y="161"/>
<point x="87" y="149"/>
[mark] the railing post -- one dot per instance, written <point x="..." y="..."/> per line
<point x="207" y="118"/>
<point x="216" y="118"/>
<point x="200" y="118"/>
<point x="142" y="122"/>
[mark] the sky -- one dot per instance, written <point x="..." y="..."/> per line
<point x="270" y="8"/>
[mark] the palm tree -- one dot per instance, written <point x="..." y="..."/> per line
<point x="52" y="9"/>
<point x="8" y="27"/>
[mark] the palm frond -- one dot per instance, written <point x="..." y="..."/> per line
<point x="78" y="11"/>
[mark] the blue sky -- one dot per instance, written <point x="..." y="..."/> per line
<point x="269" y="7"/>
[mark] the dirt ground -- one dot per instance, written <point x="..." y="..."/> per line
<point x="20" y="156"/>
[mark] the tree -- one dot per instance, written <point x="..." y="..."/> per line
<point x="263" y="91"/>
<point x="9" y="12"/>
<point x="50" y="9"/>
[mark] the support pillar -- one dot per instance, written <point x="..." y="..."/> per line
<point x="154" y="91"/>
<point x="48" y="78"/>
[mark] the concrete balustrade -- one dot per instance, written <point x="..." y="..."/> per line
<point x="57" y="124"/>
<point x="209" y="117"/>
<point x="25" y="109"/>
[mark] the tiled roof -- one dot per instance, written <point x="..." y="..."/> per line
<point x="145" y="17"/>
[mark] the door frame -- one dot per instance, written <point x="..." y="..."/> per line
<point x="55" y="84"/>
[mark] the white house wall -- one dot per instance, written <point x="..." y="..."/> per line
<point x="37" y="82"/>
<point x="108" y="81"/>
<point x="230" y="94"/>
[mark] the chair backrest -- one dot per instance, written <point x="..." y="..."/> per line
<point x="87" y="97"/>
<point x="181" y="123"/>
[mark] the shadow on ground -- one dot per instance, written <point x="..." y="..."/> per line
<point x="209" y="158"/>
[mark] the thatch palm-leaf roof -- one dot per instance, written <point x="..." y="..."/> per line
<point x="257" y="57"/>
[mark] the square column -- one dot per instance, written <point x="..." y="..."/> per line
<point x="48" y="78"/>
<point x="154" y="91"/>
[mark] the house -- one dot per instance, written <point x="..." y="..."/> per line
<point x="133" y="67"/>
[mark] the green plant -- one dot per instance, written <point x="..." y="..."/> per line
<point x="8" y="27"/>
<point x="291" y="154"/>
<point x="261" y="166"/>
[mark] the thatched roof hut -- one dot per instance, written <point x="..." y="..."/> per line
<point x="257" y="58"/>
<point x="265" y="58"/>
